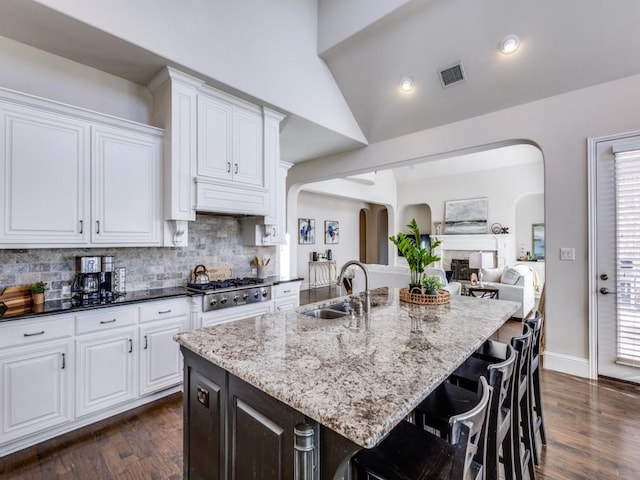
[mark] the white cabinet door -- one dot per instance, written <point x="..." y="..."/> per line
<point x="215" y="144"/>
<point x="160" y="358"/>
<point x="286" y="296"/>
<point x="44" y="177"/>
<point x="248" y="164"/>
<point x="229" y="141"/>
<point x="37" y="388"/>
<point x="126" y="187"/>
<point x="106" y="369"/>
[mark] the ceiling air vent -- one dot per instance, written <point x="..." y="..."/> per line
<point x="452" y="75"/>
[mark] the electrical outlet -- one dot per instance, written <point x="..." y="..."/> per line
<point x="567" y="254"/>
<point x="66" y="290"/>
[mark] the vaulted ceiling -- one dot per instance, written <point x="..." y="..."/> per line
<point x="565" y="45"/>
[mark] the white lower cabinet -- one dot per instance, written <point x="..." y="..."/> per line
<point x="107" y="369"/>
<point x="286" y="296"/>
<point x="37" y="388"/>
<point x="160" y="358"/>
<point x="61" y="372"/>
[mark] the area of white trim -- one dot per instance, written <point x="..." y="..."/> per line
<point x="559" y="362"/>
<point x="625" y="142"/>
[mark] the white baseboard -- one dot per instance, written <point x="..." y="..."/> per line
<point x="560" y="362"/>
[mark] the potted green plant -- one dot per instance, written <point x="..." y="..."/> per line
<point x="37" y="292"/>
<point x="417" y="257"/>
<point x="431" y="285"/>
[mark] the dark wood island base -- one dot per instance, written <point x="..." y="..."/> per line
<point x="233" y="430"/>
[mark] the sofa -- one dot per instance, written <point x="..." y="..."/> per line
<point x="515" y="283"/>
<point x="397" y="276"/>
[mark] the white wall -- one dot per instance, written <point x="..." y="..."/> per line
<point x="266" y="49"/>
<point x="321" y="208"/>
<point x="39" y="73"/>
<point x="503" y="187"/>
<point x="560" y="126"/>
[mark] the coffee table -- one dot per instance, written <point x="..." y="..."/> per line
<point x="483" y="292"/>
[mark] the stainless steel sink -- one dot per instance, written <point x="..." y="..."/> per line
<point x="325" y="313"/>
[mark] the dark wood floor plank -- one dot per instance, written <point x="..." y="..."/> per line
<point x="593" y="430"/>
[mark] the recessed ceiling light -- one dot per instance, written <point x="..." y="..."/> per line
<point x="509" y="44"/>
<point x="406" y="84"/>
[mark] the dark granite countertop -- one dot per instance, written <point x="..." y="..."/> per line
<point x="66" y="305"/>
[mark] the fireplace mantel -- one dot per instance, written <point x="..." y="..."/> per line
<point x="485" y="243"/>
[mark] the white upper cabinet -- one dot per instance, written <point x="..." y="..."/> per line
<point x="126" y="182"/>
<point x="248" y="163"/>
<point x="71" y="177"/>
<point x="44" y="174"/>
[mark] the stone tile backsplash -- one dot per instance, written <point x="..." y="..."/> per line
<point x="213" y="241"/>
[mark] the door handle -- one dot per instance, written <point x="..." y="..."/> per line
<point x="606" y="291"/>
<point x="228" y="167"/>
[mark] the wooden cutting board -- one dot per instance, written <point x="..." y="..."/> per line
<point x="17" y="297"/>
<point x="219" y="273"/>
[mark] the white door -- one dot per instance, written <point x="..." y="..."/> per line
<point x="106" y="368"/>
<point x="616" y="286"/>
<point x="160" y="358"/>
<point x="36" y="389"/>
<point x="127" y="187"/>
<point x="44" y="172"/>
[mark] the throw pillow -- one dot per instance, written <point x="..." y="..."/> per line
<point x="512" y="274"/>
<point x="492" y="274"/>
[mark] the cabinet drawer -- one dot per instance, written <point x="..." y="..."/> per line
<point x="24" y="332"/>
<point x="176" y="307"/>
<point x="285" y="289"/>
<point x="106" y="319"/>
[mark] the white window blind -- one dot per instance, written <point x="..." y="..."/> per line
<point x="627" y="184"/>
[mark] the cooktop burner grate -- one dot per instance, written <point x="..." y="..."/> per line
<point x="229" y="283"/>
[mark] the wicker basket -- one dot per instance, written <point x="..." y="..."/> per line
<point x="442" y="297"/>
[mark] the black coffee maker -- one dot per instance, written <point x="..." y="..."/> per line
<point x="86" y="285"/>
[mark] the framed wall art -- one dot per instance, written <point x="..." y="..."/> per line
<point x="466" y="216"/>
<point x="331" y="232"/>
<point x="306" y="231"/>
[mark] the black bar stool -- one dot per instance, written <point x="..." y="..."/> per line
<point x="492" y="352"/>
<point x="537" y="420"/>
<point x="411" y="453"/>
<point x="450" y="399"/>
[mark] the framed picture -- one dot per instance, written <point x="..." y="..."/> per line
<point x="306" y="231"/>
<point x="466" y="216"/>
<point x="331" y="232"/>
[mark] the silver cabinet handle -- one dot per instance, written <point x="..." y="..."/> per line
<point x="606" y="291"/>
<point x="98" y="226"/>
<point x="236" y="168"/>
<point x="130" y="345"/>
<point x="108" y="321"/>
<point x="228" y="167"/>
<point x="165" y="311"/>
<point x="146" y="342"/>
<point x="34" y="334"/>
<point x="286" y="291"/>
<point x="64" y="361"/>
<point x="81" y="226"/>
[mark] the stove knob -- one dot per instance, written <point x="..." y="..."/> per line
<point x="265" y="293"/>
<point x="245" y="296"/>
<point x="236" y="298"/>
<point x="256" y="294"/>
<point x="223" y="300"/>
<point x="213" y="302"/>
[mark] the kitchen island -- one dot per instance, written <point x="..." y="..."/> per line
<point x="351" y="379"/>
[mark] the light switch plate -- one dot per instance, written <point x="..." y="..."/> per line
<point x="567" y="254"/>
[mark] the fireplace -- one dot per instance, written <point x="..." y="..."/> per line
<point x="460" y="268"/>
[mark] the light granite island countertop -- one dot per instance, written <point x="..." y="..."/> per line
<point x="358" y="377"/>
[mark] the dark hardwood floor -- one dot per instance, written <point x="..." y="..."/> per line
<point x="593" y="430"/>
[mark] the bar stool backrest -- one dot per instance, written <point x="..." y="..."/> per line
<point x="500" y="378"/>
<point x="466" y="431"/>
<point x="535" y="324"/>
<point x="522" y="345"/>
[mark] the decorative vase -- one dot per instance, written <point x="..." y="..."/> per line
<point x="37" y="298"/>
